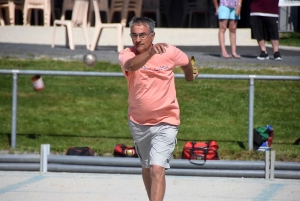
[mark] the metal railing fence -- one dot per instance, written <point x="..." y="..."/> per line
<point x="251" y="79"/>
<point x="46" y="162"/>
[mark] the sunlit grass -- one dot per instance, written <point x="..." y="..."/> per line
<point x="92" y="111"/>
<point x="290" y="39"/>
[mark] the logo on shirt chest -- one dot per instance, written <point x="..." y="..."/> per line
<point x="161" y="68"/>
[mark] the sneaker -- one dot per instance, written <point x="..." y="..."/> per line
<point x="277" y="56"/>
<point x="263" y="55"/>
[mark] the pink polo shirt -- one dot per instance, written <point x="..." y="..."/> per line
<point x="152" y="95"/>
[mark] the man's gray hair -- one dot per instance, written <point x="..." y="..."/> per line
<point x="143" y="20"/>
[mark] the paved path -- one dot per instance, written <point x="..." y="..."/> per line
<point x="34" y="186"/>
<point x="206" y="56"/>
<point x="19" y="42"/>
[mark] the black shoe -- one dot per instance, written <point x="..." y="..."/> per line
<point x="263" y="55"/>
<point x="277" y="56"/>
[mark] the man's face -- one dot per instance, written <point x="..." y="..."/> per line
<point x="141" y="38"/>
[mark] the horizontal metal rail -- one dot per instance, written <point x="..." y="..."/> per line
<point x="115" y="74"/>
<point x="117" y="165"/>
<point x="135" y="162"/>
<point x="251" y="79"/>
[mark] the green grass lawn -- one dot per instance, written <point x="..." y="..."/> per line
<point x="92" y="111"/>
<point x="290" y="39"/>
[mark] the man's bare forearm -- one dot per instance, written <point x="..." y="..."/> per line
<point x="140" y="60"/>
<point x="188" y="71"/>
<point x="137" y="62"/>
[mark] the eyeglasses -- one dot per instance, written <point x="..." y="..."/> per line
<point x="142" y="36"/>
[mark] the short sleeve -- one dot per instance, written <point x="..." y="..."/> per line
<point x="124" y="56"/>
<point x="179" y="57"/>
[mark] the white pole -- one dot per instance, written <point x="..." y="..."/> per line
<point x="272" y="164"/>
<point x="267" y="164"/>
<point x="45" y="151"/>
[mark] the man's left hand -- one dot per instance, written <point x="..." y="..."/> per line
<point x="195" y="72"/>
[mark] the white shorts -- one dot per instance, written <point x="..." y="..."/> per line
<point x="154" y="144"/>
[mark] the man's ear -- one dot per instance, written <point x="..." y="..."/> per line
<point x="153" y="36"/>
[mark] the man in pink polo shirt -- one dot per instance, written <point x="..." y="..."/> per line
<point x="153" y="111"/>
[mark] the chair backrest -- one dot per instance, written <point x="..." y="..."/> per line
<point x="116" y="6"/>
<point x="67" y="5"/>
<point x="10" y="5"/>
<point x="151" y="4"/>
<point x="79" y="12"/>
<point x="125" y="6"/>
<point x="98" y="16"/>
<point x="44" y="5"/>
<point x="16" y="2"/>
<point x="195" y="5"/>
<point x="135" y="6"/>
<point x="38" y="4"/>
<point x="103" y="6"/>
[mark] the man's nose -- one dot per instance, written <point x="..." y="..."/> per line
<point x="138" y="38"/>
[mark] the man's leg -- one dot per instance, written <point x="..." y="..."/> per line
<point x="147" y="180"/>
<point x="158" y="184"/>
<point x="275" y="45"/>
<point x="155" y="182"/>
<point x="262" y="45"/>
<point x="163" y="144"/>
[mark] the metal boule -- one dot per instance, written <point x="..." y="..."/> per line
<point x="89" y="59"/>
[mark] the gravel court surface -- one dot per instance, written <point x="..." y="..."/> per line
<point x="52" y="186"/>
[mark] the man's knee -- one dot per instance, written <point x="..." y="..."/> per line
<point x="157" y="171"/>
<point x="146" y="171"/>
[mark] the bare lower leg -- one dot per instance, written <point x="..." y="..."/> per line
<point x="232" y="33"/>
<point x="275" y="45"/>
<point x="147" y="180"/>
<point x="262" y="46"/>
<point x="158" y="186"/>
<point x="222" y="29"/>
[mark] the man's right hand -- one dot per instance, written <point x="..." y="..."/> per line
<point x="158" y="48"/>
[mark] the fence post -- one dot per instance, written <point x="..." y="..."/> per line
<point x="272" y="164"/>
<point x="14" y="110"/>
<point x="45" y="151"/>
<point x="267" y="164"/>
<point x="251" y="111"/>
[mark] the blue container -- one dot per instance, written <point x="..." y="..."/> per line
<point x="264" y="147"/>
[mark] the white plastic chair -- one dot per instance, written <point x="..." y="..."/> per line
<point x="2" y="23"/>
<point x="152" y="6"/>
<point x="67" y="6"/>
<point x="103" y="6"/>
<point x="79" y="18"/>
<point x="30" y="5"/>
<point x="11" y="6"/>
<point x="131" y="6"/>
<point x="195" y="6"/>
<point x="99" y="27"/>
